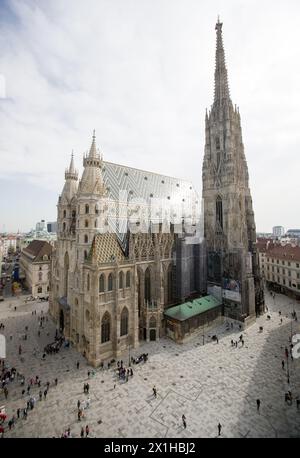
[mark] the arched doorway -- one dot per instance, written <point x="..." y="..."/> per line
<point x="61" y="321"/>
<point x="152" y="334"/>
<point x="66" y="273"/>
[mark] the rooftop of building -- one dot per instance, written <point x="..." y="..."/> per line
<point x="187" y="310"/>
<point x="37" y="250"/>
<point x="279" y="251"/>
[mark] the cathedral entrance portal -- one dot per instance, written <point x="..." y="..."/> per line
<point x="152" y="334"/>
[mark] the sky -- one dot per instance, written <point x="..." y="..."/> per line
<point x="140" y="72"/>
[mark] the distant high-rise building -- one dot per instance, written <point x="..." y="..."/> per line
<point x="41" y="226"/>
<point x="278" y="231"/>
<point x="52" y="227"/>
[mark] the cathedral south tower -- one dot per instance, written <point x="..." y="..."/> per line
<point x="229" y="226"/>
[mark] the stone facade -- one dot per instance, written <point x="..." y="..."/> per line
<point x="229" y="227"/>
<point x="35" y="266"/>
<point x="110" y="288"/>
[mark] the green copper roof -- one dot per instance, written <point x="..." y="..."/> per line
<point x="189" y="309"/>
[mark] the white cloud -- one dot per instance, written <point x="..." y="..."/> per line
<point x="141" y="73"/>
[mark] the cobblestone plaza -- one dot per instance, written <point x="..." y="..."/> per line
<point x="209" y="383"/>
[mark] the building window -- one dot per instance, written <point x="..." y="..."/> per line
<point x="64" y="226"/>
<point x="105" y="328"/>
<point x="110" y="282"/>
<point x="277" y="261"/>
<point x="283" y="263"/>
<point x="86" y="239"/>
<point x="40" y="276"/>
<point x="65" y="213"/>
<point x="88" y="282"/>
<point x="298" y="275"/>
<point x="85" y="254"/>
<point x="278" y="270"/>
<point x="40" y="290"/>
<point x="96" y="223"/>
<point x="283" y="281"/>
<point x="217" y="143"/>
<point x="289" y="263"/>
<point x="297" y="265"/>
<point x="96" y="209"/>
<point x="128" y="279"/>
<point x="124" y="322"/>
<point x="121" y="277"/>
<point x="289" y="273"/>
<point x="290" y="283"/>
<point x="101" y="283"/>
<point x="86" y="223"/>
<point x="298" y="285"/>
<point x="219" y="211"/>
<point x="87" y="209"/>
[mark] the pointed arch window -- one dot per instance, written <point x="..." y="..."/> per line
<point x="110" y="282"/>
<point x="124" y="322"/>
<point x="86" y="238"/>
<point x="128" y="279"/>
<point x="219" y="211"/>
<point x="86" y="223"/>
<point x="87" y="209"/>
<point x="65" y="213"/>
<point x="64" y="226"/>
<point x="121" y="280"/>
<point x="85" y="254"/>
<point x="88" y="282"/>
<point x="147" y="285"/>
<point x="217" y="143"/>
<point x="105" y="328"/>
<point x="101" y="283"/>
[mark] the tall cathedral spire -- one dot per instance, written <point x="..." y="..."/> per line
<point x="221" y="79"/>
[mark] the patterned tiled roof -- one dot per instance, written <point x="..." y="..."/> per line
<point x="147" y="185"/>
<point x="104" y="245"/>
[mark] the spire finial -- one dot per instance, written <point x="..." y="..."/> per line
<point x="94" y="134"/>
<point x="221" y="81"/>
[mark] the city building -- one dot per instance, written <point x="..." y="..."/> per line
<point x="35" y="267"/>
<point x="229" y="226"/>
<point x="9" y="244"/>
<point x="52" y="227"/>
<point x="293" y="233"/>
<point x="39" y="233"/>
<point x="280" y="266"/>
<point x="116" y="280"/>
<point x="278" y="231"/>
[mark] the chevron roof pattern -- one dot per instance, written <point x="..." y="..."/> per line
<point x="174" y="193"/>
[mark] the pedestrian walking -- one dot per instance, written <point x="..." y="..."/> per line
<point x="258" y="404"/>
<point x="219" y="429"/>
<point x="154" y="391"/>
<point x="78" y="404"/>
<point x="18" y="413"/>
<point x="282" y="364"/>
<point x="87" y="388"/>
<point x="77" y="364"/>
<point x="184" y="421"/>
<point x="45" y="394"/>
<point x="56" y="381"/>
<point x="82" y="432"/>
<point x="87" y="430"/>
<point x="40" y="395"/>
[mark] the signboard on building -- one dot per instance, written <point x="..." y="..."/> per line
<point x="231" y="289"/>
